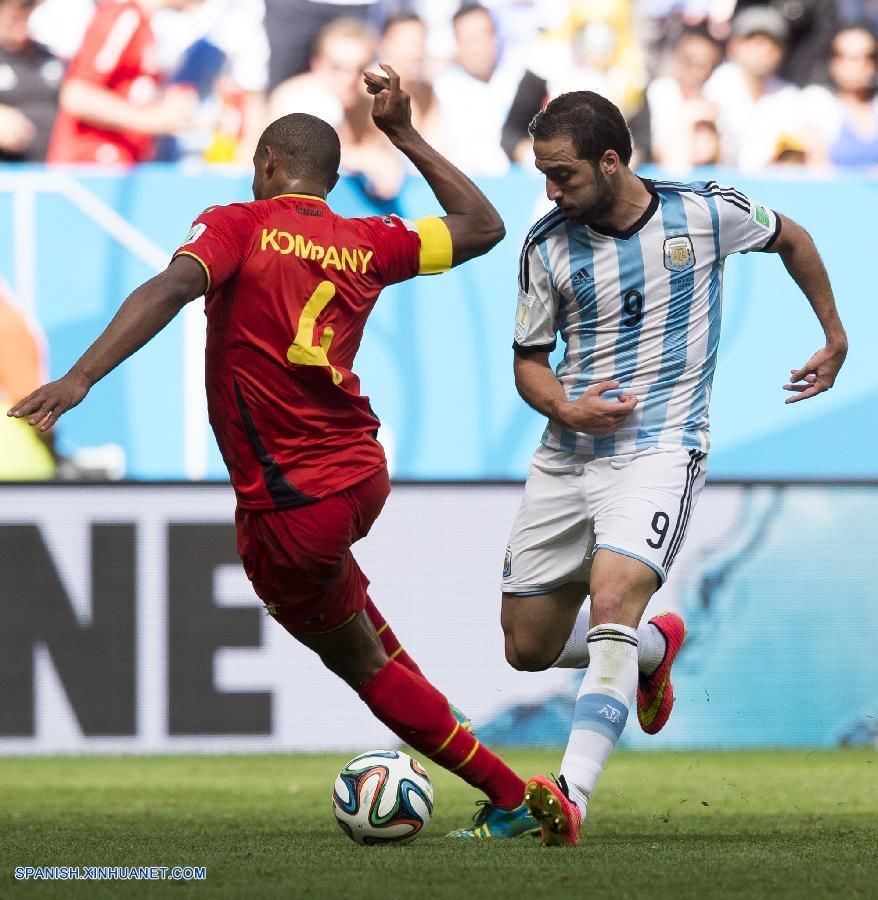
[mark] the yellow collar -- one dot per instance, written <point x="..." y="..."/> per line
<point x="303" y="196"/>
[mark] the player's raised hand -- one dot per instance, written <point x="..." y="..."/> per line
<point x="817" y="375"/>
<point x="391" y="105"/>
<point x="44" y="406"/>
<point x="593" y="413"/>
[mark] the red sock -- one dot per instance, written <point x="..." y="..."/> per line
<point x="416" y="712"/>
<point x="392" y="646"/>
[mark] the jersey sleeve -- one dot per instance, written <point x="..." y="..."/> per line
<point x="405" y="248"/>
<point x="536" y="312"/>
<point x="218" y="241"/>
<point x="744" y="224"/>
<point x="105" y="43"/>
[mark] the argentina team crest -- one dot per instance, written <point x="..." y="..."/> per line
<point x="679" y="253"/>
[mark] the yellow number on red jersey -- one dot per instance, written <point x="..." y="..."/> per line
<point x="302" y="351"/>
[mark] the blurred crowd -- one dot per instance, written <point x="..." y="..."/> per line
<point x="702" y="82"/>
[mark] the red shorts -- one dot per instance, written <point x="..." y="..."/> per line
<point x="299" y="560"/>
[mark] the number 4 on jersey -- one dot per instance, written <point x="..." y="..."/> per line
<point x="302" y="351"/>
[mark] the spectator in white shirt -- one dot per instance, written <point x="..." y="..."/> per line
<point x="220" y="47"/>
<point x="403" y="45"/>
<point x="475" y="94"/>
<point x="333" y="90"/>
<point x="758" y="111"/>
<point x="681" y="117"/>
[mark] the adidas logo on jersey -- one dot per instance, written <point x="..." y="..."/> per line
<point x="581" y="278"/>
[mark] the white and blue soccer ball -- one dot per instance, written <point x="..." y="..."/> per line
<point x="383" y="797"/>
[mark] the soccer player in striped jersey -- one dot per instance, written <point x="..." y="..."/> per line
<point x="629" y="273"/>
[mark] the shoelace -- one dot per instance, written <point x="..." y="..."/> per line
<point x="481" y="815"/>
<point x="561" y="781"/>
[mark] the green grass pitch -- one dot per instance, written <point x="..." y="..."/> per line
<point x="675" y="825"/>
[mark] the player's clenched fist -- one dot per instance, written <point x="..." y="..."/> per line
<point x="592" y="413"/>
<point x="391" y="107"/>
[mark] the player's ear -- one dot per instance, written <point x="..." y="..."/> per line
<point x="609" y="162"/>
<point x="270" y="161"/>
<point x="332" y="182"/>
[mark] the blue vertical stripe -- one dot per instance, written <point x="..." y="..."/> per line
<point x="583" y="318"/>
<point x="629" y="254"/>
<point x="544" y="254"/>
<point x="561" y="325"/>
<point x="674" y="343"/>
<point x="696" y="421"/>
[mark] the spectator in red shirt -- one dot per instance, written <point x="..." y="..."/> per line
<point x="111" y="101"/>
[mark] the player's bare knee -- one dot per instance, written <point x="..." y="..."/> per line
<point x="353" y="652"/>
<point x="527" y="656"/>
<point x="355" y="669"/>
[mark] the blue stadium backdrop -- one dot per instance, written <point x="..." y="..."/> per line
<point x="436" y="357"/>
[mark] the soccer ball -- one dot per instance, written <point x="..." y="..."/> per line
<point x="383" y="797"/>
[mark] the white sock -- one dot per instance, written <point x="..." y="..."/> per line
<point x="651" y="648"/>
<point x="607" y="692"/>
<point x="574" y="655"/>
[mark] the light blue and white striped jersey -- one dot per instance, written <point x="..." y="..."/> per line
<point x="641" y="307"/>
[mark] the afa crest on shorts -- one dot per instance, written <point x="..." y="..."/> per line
<point x="679" y="253"/>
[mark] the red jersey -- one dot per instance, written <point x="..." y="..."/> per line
<point x="118" y="54"/>
<point x="290" y="286"/>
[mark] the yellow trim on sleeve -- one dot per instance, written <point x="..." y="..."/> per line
<point x="436" y="248"/>
<point x="200" y="261"/>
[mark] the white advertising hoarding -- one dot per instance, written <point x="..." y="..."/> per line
<point x="127" y="625"/>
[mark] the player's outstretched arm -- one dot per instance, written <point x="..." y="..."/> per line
<point x="474" y="224"/>
<point x="142" y="316"/>
<point x="590" y="413"/>
<point x="800" y="256"/>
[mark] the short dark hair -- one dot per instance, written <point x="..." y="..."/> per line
<point x="400" y="17"/>
<point x="468" y="8"/>
<point x="304" y="144"/>
<point x="592" y="123"/>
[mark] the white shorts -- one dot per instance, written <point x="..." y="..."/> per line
<point x="637" y="504"/>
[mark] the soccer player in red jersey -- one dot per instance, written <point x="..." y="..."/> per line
<point x="288" y="286"/>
